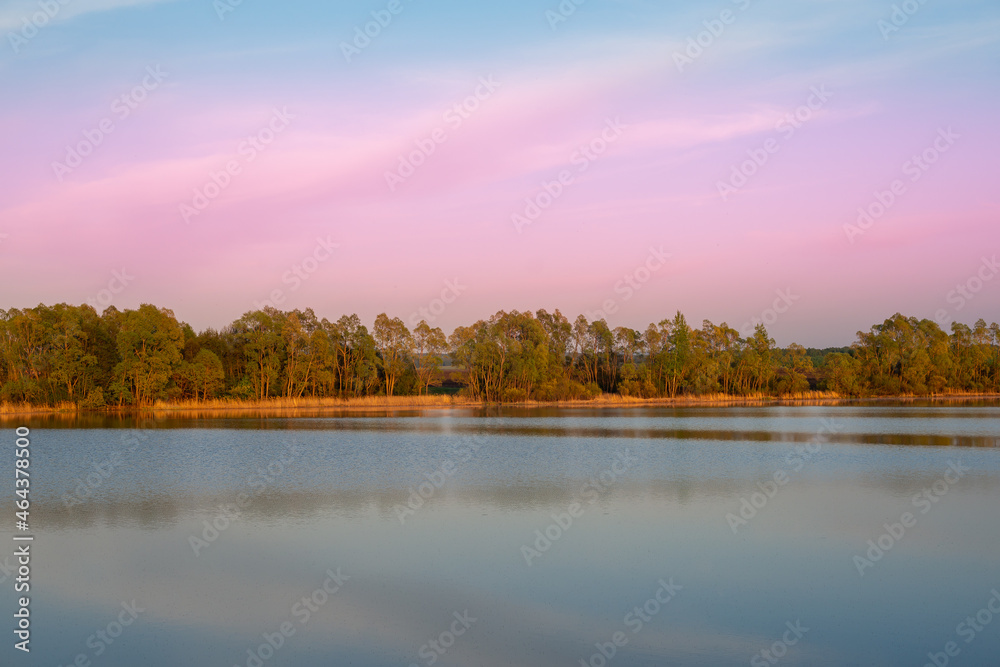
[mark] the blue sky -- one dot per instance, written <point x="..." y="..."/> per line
<point x="354" y="122"/>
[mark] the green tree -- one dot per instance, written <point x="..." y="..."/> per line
<point x="258" y="333"/>
<point x="73" y="362"/>
<point x="760" y="347"/>
<point x="202" y="377"/>
<point x="678" y="354"/>
<point x="393" y="340"/>
<point x="791" y="376"/>
<point x="428" y="346"/>
<point x="149" y="345"/>
<point x="843" y="374"/>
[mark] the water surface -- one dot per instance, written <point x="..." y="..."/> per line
<point x="543" y="530"/>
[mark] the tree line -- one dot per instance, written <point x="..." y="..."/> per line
<point x="63" y="353"/>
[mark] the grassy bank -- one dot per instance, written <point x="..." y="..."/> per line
<point x="223" y="407"/>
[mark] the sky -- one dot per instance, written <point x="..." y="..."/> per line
<point x="817" y="165"/>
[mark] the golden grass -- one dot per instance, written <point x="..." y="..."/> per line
<point x="18" y="408"/>
<point x="227" y="406"/>
<point x="28" y="408"/>
<point x="313" y="403"/>
<point x="219" y="407"/>
<point x="704" y="399"/>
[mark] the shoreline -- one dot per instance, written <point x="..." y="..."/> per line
<point x="444" y="402"/>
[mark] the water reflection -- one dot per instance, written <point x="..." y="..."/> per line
<point x="128" y="536"/>
<point x="158" y="510"/>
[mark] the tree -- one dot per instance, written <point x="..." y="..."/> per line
<point x="725" y="346"/>
<point x="202" y="377"/>
<point x="525" y="346"/>
<point x="795" y="365"/>
<point x="429" y="344"/>
<point x="23" y="350"/>
<point x="393" y="341"/>
<point x="678" y="354"/>
<point x="843" y="374"/>
<point x="558" y="332"/>
<point x="605" y="361"/>
<point x="656" y="337"/>
<point x="761" y="346"/>
<point x="70" y="353"/>
<point x="258" y="333"/>
<point x="703" y="366"/>
<point x="72" y="361"/>
<point x="303" y="351"/>
<point x="343" y="337"/>
<point x="149" y="344"/>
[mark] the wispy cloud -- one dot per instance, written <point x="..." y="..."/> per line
<point x="15" y="12"/>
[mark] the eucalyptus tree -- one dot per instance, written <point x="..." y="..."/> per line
<point x="724" y="346"/>
<point x="507" y="356"/>
<point x="843" y="374"/>
<point x="761" y="347"/>
<point x="703" y="365"/>
<point x="678" y="354"/>
<point x="526" y="345"/>
<point x="258" y="333"/>
<point x="605" y="363"/>
<point x="981" y="339"/>
<point x="794" y="365"/>
<point x="629" y="342"/>
<point x="428" y="346"/>
<point x="149" y="344"/>
<point x="393" y="341"/>
<point x="344" y="337"/>
<point x="24" y="344"/>
<point x="70" y="353"/>
<point x="202" y="377"/>
<point x="656" y="338"/>
<point x="559" y="332"/>
<point x="73" y="362"/>
<point x="306" y="352"/>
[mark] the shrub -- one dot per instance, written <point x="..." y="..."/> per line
<point x="94" y="400"/>
<point x="514" y="395"/>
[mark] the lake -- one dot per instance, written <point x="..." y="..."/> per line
<point x="861" y="535"/>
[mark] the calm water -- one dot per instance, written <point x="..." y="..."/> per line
<point x="699" y="536"/>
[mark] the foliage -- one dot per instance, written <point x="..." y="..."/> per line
<point x="63" y="353"/>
